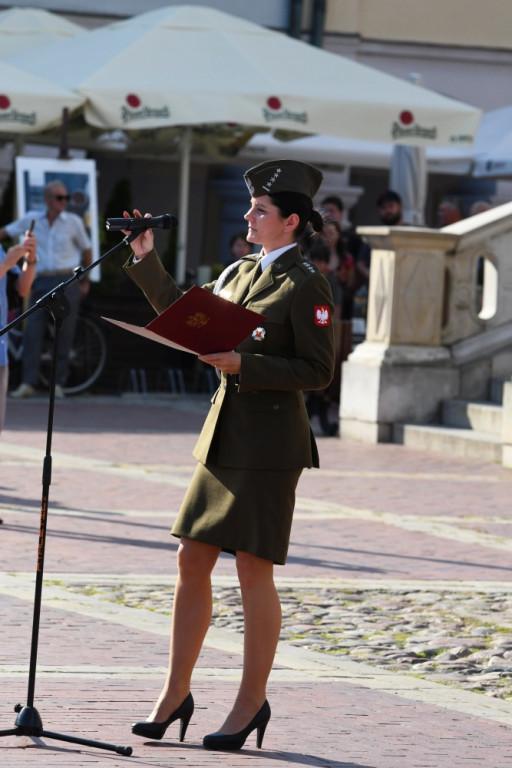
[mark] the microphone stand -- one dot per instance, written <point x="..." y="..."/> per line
<point x="28" y="721"/>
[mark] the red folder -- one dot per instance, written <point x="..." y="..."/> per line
<point x="199" y="322"/>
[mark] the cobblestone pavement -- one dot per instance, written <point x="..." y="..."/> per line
<point x="396" y="647"/>
<point x="467" y="642"/>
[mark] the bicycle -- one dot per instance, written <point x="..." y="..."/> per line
<point x="87" y="356"/>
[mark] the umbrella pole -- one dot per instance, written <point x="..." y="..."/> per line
<point x="185" y="155"/>
<point x="64" y="149"/>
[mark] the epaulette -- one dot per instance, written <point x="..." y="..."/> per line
<point x="308" y="267"/>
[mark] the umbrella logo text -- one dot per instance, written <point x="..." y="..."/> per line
<point x="406" y="127"/>
<point x="134" y="110"/>
<point x="14" y="115"/>
<point x="274" y="110"/>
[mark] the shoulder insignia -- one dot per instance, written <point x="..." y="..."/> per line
<point x="308" y="267"/>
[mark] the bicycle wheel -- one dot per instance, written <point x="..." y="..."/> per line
<point x="86" y="358"/>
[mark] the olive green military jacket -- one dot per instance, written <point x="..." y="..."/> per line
<point x="258" y="419"/>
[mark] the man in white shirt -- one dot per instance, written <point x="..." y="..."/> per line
<point x="62" y="245"/>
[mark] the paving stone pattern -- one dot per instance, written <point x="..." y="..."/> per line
<point x="461" y="639"/>
<point x="396" y="648"/>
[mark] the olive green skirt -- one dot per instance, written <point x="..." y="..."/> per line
<point x="246" y="510"/>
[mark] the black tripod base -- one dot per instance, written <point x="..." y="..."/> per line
<point x="29" y="723"/>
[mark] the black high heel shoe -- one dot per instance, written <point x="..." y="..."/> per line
<point x="231" y="741"/>
<point x="152" y="730"/>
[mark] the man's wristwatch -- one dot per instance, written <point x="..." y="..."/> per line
<point x="31" y="263"/>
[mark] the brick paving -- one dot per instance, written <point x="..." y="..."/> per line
<point x="372" y="515"/>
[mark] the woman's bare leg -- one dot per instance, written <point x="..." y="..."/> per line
<point x="191" y="616"/>
<point x="262" y="626"/>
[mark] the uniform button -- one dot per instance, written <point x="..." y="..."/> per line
<point x="278" y="265"/>
<point x="275" y="407"/>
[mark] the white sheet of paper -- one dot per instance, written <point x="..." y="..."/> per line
<point x="141" y="331"/>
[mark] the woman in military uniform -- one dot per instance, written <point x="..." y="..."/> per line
<point x="254" y="444"/>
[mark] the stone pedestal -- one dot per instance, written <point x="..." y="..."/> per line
<point x="383" y="385"/>
<point x="401" y="371"/>
<point x="506" y="437"/>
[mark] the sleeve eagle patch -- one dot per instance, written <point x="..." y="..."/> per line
<point x="322" y="315"/>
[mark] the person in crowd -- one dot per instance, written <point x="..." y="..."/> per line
<point x="479" y="206"/>
<point x="62" y="245"/>
<point x="320" y="254"/>
<point x="341" y="264"/>
<point x="334" y="209"/>
<point x="239" y="246"/>
<point x="332" y="236"/>
<point x="23" y="277"/>
<point x="254" y="444"/>
<point x="390" y="208"/>
<point x="318" y="402"/>
<point x="448" y="212"/>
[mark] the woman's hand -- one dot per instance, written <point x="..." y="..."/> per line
<point x="144" y="243"/>
<point x="227" y="362"/>
<point x="25" y="249"/>
<point x="30" y="245"/>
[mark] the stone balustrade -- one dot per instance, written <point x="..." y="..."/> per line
<point x="439" y="323"/>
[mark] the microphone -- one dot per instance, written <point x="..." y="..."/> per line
<point x="166" y="221"/>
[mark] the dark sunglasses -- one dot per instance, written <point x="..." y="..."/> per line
<point x="60" y="198"/>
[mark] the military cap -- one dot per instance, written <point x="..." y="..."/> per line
<point x="283" y="176"/>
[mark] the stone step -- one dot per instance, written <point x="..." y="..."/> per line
<point x="462" y="443"/>
<point x="470" y="414"/>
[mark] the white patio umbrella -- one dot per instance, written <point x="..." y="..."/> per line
<point x="493" y="144"/>
<point x="30" y="104"/>
<point x="29" y="29"/>
<point x="193" y="66"/>
<point x="338" y="152"/>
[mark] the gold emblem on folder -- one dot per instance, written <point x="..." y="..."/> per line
<point x="197" y="320"/>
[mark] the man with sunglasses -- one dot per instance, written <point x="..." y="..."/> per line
<point x="62" y="245"/>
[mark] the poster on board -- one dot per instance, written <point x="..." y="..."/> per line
<point x="77" y="175"/>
